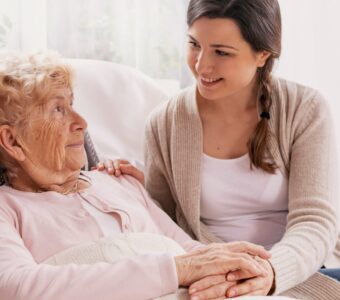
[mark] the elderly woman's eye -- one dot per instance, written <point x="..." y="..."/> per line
<point x="59" y="109"/>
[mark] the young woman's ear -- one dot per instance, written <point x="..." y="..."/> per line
<point x="9" y="143"/>
<point x="262" y="57"/>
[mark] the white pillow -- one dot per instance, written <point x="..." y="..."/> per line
<point x="115" y="100"/>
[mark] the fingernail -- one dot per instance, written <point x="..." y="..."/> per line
<point x="110" y="170"/>
<point x="191" y="291"/>
<point x="232" y="293"/>
<point x="231" y="277"/>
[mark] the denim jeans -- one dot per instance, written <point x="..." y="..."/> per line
<point x="333" y="273"/>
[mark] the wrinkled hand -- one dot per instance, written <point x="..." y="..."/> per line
<point x="121" y="166"/>
<point x="213" y="260"/>
<point x="243" y="247"/>
<point x="216" y="286"/>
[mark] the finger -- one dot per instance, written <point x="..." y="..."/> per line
<point x="117" y="172"/>
<point x="257" y="293"/>
<point x="94" y="168"/>
<point x="205" y="283"/>
<point x="246" y="287"/>
<point x="243" y="274"/>
<point x="246" y="264"/>
<point x="213" y="292"/>
<point x="133" y="171"/>
<point x="116" y="163"/>
<point x="246" y="247"/>
<point x="122" y="161"/>
<point x="109" y="166"/>
<point x="100" y="166"/>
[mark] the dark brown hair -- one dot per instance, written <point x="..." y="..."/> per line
<point x="260" y="24"/>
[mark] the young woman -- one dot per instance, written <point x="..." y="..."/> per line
<point x="243" y="155"/>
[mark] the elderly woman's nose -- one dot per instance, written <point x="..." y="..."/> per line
<point x="78" y="123"/>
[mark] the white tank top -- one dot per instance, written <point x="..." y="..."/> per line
<point x="238" y="203"/>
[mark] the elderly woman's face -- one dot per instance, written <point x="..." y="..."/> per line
<point x="54" y="137"/>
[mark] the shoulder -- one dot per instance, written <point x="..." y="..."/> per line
<point x="298" y="103"/>
<point x="11" y="203"/>
<point x="295" y="94"/>
<point x="180" y="104"/>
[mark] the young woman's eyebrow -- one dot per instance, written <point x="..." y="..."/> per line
<point x="223" y="46"/>
<point x="215" y="45"/>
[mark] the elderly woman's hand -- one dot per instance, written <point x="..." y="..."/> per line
<point x="243" y="247"/>
<point x="121" y="166"/>
<point x="214" y="260"/>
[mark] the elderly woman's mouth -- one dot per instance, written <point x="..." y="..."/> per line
<point x="78" y="145"/>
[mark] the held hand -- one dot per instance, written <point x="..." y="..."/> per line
<point x="244" y="247"/>
<point x="213" y="260"/>
<point x="210" y="287"/>
<point x="257" y="286"/>
<point x="119" y="167"/>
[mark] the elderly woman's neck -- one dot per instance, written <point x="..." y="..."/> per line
<point x="69" y="185"/>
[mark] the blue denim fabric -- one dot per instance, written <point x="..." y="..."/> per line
<point x="334" y="273"/>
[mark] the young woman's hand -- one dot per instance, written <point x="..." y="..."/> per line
<point x="214" y="260"/>
<point x="257" y="286"/>
<point x="218" y="286"/>
<point x="121" y="166"/>
<point x="234" y="284"/>
<point x="210" y="287"/>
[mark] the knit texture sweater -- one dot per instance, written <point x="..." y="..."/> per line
<point x="302" y="144"/>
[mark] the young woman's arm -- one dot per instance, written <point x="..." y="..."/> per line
<point x="312" y="227"/>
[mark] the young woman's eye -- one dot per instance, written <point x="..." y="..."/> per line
<point x="222" y="53"/>
<point x="194" y="44"/>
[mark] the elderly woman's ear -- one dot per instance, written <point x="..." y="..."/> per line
<point x="9" y="144"/>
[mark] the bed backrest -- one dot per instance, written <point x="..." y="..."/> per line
<point x="115" y="100"/>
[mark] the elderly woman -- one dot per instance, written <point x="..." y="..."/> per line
<point x="49" y="207"/>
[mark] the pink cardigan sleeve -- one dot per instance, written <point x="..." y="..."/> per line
<point x="21" y="278"/>
<point x="168" y="227"/>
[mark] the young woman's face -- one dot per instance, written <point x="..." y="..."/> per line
<point x="222" y="62"/>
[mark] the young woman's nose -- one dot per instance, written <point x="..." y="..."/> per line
<point x="204" y="63"/>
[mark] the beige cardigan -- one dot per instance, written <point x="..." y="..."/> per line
<point x="302" y="144"/>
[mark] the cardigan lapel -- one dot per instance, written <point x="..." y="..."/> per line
<point x="187" y="148"/>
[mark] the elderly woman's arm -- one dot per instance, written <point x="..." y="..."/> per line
<point x="21" y="277"/>
<point x="140" y="277"/>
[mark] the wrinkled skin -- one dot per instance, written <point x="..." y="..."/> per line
<point x="52" y="145"/>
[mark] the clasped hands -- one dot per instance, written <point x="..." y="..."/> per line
<point x="215" y="271"/>
<point x="225" y="270"/>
